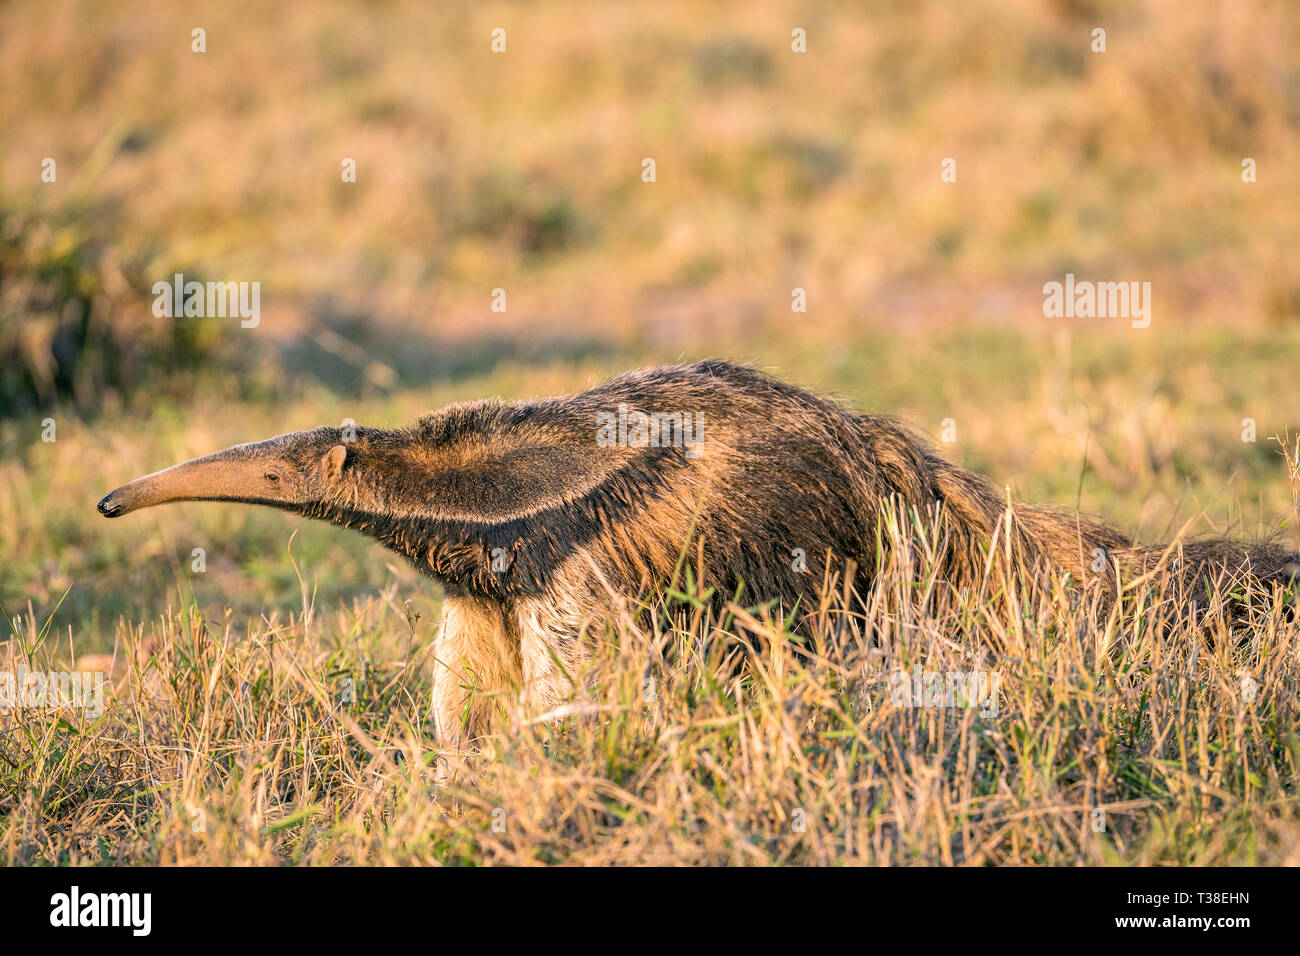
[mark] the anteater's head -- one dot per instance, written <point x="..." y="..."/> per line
<point x="293" y="472"/>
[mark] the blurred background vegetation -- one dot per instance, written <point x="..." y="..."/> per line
<point x="775" y="170"/>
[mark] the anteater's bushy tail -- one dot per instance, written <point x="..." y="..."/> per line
<point x="1085" y="548"/>
<point x="1213" y="563"/>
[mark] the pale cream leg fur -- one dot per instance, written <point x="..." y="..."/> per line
<point x="476" y="662"/>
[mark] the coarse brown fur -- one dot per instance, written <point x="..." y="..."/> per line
<point x="531" y="519"/>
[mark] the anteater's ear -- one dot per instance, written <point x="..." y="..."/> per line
<point x="332" y="463"/>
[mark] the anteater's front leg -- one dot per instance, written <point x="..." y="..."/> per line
<point x="476" y="670"/>
<point x="551" y="652"/>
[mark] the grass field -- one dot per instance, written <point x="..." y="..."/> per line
<point x="225" y="737"/>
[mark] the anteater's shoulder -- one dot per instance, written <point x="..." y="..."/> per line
<point x="718" y="390"/>
<point x="503" y="424"/>
<point x="704" y="383"/>
<point x="467" y="420"/>
<point x="710" y="373"/>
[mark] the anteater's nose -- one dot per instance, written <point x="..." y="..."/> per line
<point x="108" y="508"/>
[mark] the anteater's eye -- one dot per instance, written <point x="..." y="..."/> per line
<point x="272" y="476"/>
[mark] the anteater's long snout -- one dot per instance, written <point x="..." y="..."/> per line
<point x="211" y="478"/>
